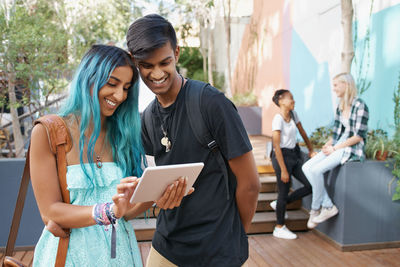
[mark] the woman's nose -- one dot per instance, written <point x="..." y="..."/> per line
<point x="119" y="93"/>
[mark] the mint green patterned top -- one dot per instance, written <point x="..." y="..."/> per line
<point x="90" y="246"/>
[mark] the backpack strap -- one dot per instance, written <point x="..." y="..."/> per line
<point x="60" y="143"/>
<point x="193" y="98"/>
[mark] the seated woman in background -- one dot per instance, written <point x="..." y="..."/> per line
<point x="346" y="144"/>
<point x="286" y="159"/>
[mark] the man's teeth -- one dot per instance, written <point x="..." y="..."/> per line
<point x="110" y="102"/>
<point x="159" y="82"/>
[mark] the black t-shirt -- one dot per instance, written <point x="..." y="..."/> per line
<point x="205" y="230"/>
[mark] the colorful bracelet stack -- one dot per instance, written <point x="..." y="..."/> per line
<point x="103" y="214"/>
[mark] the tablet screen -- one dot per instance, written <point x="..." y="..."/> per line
<point x="155" y="180"/>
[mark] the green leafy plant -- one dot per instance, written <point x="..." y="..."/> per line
<point x="377" y="140"/>
<point x="396" y="143"/>
<point x="362" y="57"/>
<point x="320" y="136"/>
<point x="191" y="59"/>
<point x="396" y="173"/>
<point x="396" y="100"/>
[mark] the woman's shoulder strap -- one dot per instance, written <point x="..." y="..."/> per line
<point x="57" y="131"/>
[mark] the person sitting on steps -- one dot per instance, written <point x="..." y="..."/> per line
<point x="286" y="159"/>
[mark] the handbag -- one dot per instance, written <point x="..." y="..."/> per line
<point x="60" y="144"/>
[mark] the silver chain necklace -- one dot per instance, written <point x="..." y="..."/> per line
<point x="165" y="141"/>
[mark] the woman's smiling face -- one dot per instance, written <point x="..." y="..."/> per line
<point x="339" y="87"/>
<point x="287" y="101"/>
<point x="115" y="91"/>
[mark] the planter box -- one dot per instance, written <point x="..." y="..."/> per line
<point x="368" y="218"/>
<point x="251" y="117"/>
<point x="31" y="225"/>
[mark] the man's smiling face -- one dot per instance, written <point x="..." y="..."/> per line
<point x="158" y="70"/>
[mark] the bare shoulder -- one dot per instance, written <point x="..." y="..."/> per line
<point x="40" y="139"/>
<point x="39" y="132"/>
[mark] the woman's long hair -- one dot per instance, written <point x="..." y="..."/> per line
<point x="123" y="127"/>
<point x="350" y="92"/>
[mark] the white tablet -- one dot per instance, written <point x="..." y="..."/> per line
<point x="155" y="180"/>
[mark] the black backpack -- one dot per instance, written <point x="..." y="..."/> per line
<point x="193" y="97"/>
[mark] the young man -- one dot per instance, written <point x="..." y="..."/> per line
<point x="209" y="227"/>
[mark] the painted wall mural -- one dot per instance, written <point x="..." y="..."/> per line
<point x="297" y="45"/>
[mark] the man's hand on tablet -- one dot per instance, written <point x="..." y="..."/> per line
<point x="174" y="194"/>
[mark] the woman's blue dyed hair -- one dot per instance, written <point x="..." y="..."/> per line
<point x="123" y="127"/>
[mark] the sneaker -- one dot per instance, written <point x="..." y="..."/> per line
<point x="325" y="214"/>
<point x="273" y="206"/>
<point x="313" y="214"/>
<point x="284" y="233"/>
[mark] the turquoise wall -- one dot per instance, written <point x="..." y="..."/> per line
<point x="310" y="80"/>
<point x="310" y="85"/>
<point x="384" y="69"/>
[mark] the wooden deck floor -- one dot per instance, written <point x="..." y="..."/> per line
<point x="307" y="250"/>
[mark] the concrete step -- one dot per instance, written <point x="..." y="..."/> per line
<point x="144" y="228"/>
<point x="265" y="169"/>
<point x="263" y="222"/>
<point x="268" y="183"/>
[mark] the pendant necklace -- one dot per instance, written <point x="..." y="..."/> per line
<point x="99" y="163"/>
<point x="165" y="140"/>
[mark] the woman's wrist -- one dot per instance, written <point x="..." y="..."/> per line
<point x="103" y="213"/>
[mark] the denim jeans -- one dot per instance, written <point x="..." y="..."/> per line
<point x="293" y="165"/>
<point x="314" y="170"/>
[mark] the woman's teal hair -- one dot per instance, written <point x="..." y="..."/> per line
<point x="123" y="127"/>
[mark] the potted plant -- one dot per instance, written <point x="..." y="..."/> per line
<point x="378" y="145"/>
<point x="320" y="136"/>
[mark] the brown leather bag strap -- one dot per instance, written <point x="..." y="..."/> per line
<point x="61" y="143"/>
<point x="62" y="171"/>
<point x="19" y="207"/>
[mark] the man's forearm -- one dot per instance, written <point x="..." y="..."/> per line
<point x="246" y="199"/>
<point x="248" y="186"/>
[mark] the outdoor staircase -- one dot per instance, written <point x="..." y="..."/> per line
<point x="263" y="221"/>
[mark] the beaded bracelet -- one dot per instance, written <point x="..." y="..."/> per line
<point x="103" y="214"/>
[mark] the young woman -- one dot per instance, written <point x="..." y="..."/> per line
<point x="102" y="117"/>
<point x="286" y="159"/>
<point x="346" y="144"/>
